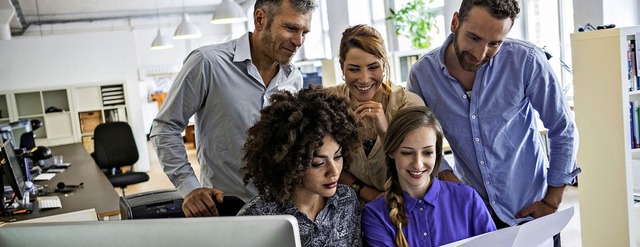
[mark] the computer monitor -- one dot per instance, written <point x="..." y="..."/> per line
<point x="272" y="230"/>
<point x="11" y="169"/>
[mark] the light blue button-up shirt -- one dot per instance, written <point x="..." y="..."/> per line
<point x="493" y="132"/>
<point x="223" y="88"/>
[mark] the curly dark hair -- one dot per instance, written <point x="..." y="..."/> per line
<point x="280" y="146"/>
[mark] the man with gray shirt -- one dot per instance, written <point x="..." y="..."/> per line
<point x="225" y="86"/>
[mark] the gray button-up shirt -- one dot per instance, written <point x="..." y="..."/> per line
<point x="222" y="87"/>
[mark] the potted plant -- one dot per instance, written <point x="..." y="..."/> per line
<point x="415" y="20"/>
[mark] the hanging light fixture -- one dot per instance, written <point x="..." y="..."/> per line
<point x="228" y="12"/>
<point x="186" y="29"/>
<point x="160" y="42"/>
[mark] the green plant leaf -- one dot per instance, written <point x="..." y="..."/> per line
<point x="415" y="21"/>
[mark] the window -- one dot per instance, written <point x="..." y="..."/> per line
<point x="547" y="25"/>
<point x="318" y="37"/>
<point x="437" y="35"/>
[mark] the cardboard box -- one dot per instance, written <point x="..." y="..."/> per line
<point x="89" y="121"/>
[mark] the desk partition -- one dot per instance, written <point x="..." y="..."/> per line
<point x="97" y="191"/>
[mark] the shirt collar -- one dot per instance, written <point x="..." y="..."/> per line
<point x="431" y="197"/>
<point x="243" y="49"/>
<point x="243" y="52"/>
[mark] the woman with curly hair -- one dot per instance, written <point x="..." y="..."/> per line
<point x="294" y="155"/>
<point x="417" y="208"/>
<point x="375" y="100"/>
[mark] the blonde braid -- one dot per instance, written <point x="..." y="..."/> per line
<point x="393" y="197"/>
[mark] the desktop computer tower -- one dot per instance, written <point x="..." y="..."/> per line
<point x="152" y="205"/>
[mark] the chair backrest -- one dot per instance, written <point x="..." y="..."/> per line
<point x="114" y="145"/>
<point x="27" y="140"/>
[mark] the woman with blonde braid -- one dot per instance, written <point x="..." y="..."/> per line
<point x="417" y="208"/>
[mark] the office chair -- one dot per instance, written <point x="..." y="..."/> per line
<point x="114" y="148"/>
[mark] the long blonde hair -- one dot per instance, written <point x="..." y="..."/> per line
<point x="405" y="121"/>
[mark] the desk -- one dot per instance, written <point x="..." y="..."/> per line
<point x="97" y="193"/>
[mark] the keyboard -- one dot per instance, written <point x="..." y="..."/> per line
<point x="46" y="202"/>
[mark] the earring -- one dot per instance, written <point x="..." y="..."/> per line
<point x="343" y="77"/>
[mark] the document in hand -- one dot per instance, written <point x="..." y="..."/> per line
<point x="537" y="232"/>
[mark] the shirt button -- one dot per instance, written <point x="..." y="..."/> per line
<point x="493" y="202"/>
<point x="473" y="116"/>
<point x="482" y="162"/>
<point x="421" y="209"/>
<point x="464" y="96"/>
<point x="487" y="182"/>
<point x="425" y="234"/>
<point x="477" y="139"/>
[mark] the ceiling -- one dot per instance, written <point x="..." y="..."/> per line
<point x="34" y="12"/>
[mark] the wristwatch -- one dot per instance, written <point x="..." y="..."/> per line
<point x="357" y="186"/>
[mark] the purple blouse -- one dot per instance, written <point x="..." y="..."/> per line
<point x="448" y="212"/>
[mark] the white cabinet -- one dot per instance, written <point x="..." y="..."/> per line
<point x="4" y="109"/>
<point x="602" y="96"/>
<point x="51" y="107"/>
<point x="87" y="98"/>
<point x="98" y="104"/>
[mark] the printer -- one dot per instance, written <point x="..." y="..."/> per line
<point x="152" y="205"/>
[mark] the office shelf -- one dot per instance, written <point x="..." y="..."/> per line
<point x="4" y="109"/>
<point x="98" y="104"/>
<point x="602" y="96"/>
<point x="51" y="107"/>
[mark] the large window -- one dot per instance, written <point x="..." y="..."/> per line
<point x="548" y="24"/>
<point x="437" y="34"/>
<point x="317" y="44"/>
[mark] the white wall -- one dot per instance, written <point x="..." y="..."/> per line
<point x="64" y="55"/>
<point x="623" y="13"/>
<point x="76" y="59"/>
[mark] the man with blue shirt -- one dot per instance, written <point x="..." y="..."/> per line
<point x="484" y="89"/>
<point x="225" y="86"/>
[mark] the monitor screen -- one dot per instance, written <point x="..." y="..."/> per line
<point x="10" y="165"/>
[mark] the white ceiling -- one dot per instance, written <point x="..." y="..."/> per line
<point x="64" y="11"/>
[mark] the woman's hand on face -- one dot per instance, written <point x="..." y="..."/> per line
<point x="372" y="115"/>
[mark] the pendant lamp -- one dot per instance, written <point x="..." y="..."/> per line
<point x="160" y="42"/>
<point x="228" y="12"/>
<point x="186" y="29"/>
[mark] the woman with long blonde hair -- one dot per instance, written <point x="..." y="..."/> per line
<point x="417" y="208"/>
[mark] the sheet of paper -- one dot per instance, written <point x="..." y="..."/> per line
<point x="537" y="232"/>
<point x="44" y="177"/>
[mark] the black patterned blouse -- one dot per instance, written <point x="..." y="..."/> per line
<point x="337" y="224"/>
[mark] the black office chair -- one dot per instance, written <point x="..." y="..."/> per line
<point x="114" y="148"/>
